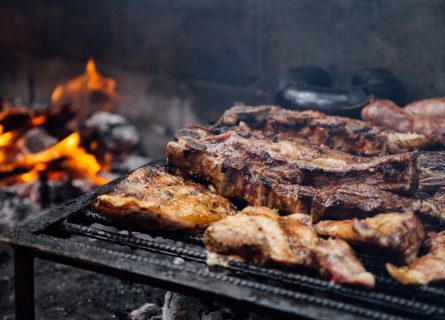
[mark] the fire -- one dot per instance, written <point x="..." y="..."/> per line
<point x="76" y="159"/>
<point x="6" y="137"/>
<point x="79" y="90"/>
<point x="67" y="156"/>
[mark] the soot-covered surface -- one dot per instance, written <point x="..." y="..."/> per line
<point x="64" y="292"/>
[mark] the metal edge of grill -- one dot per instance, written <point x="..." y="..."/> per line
<point x="390" y="300"/>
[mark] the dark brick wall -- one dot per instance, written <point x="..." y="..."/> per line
<point x="206" y="54"/>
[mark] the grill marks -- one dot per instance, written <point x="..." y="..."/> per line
<point x="339" y="133"/>
<point x="151" y="198"/>
<point x="296" y="176"/>
<point x="259" y="234"/>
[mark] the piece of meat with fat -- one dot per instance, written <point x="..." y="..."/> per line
<point x="399" y="235"/>
<point x="259" y="235"/>
<point x="240" y="168"/>
<point x="427" y="268"/>
<point x="152" y="198"/>
<point x="339" y="133"/>
<point x="310" y="165"/>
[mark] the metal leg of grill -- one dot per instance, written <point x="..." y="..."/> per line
<point x="24" y="285"/>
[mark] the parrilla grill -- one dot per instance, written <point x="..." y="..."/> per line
<point x="153" y="259"/>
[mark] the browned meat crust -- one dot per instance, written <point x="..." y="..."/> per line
<point x="431" y="166"/>
<point x="398" y="234"/>
<point x="387" y="114"/>
<point x="259" y="235"/>
<point x="426" y="269"/>
<point x="339" y="133"/>
<point x="151" y="198"/>
<point x="266" y="173"/>
<point x="429" y="108"/>
<point x="300" y="162"/>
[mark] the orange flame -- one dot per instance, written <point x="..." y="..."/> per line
<point x="77" y="89"/>
<point x="6" y="137"/>
<point x="79" y="162"/>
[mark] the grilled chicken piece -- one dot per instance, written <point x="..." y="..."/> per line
<point x="259" y="235"/>
<point x="151" y="198"/>
<point x="399" y="234"/>
<point x="339" y="133"/>
<point x="426" y="269"/>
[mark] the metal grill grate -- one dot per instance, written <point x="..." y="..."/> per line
<point x="152" y="258"/>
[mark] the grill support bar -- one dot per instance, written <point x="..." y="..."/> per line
<point x="24" y="285"/>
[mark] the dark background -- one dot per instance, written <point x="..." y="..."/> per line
<point x="188" y="60"/>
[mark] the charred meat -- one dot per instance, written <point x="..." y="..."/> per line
<point x="426" y="269"/>
<point x="152" y="198"/>
<point x="260" y="235"/>
<point x="291" y="176"/>
<point x="299" y="162"/>
<point x="339" y="133"/>
<point x="399" y="234"/>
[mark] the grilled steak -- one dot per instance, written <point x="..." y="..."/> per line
<point x="151" y="198"/>
<point x="299" y="162"/>
<point x="291" y="176"/>
<point x="259" y="235"/>
<point x="431" y="170"/>
<point x="399" y="234"/>
<point x="339" y="133"/>
<point x="426" y="269"/>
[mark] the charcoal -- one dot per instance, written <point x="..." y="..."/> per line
<point x="15" y="118"/>
<point x="36" y="140"/>
<point x="128" y="163"/>
<point x="111" y="131"/>
<point x="62" y="190"/>
<point x="61" y="120"/>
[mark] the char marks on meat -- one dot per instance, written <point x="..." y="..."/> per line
<point x="339" y="133"/>
<point x="292" y="175"/>
<point x="427" y="268"/>
<point x="152" y="198"/>
<point x="398" y="234"/>
<point x="260" y="235"/>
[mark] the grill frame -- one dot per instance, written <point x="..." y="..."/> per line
<point x="284" y="294"/>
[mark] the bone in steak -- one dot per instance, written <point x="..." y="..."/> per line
<point x="301" y="163"/>
<point x="246" y="168"/>
<point x="426" y="269"/>
<point x="152" y="198"/>
<point x="259" y="235"/>
<point x="398" y="234"/>
<point x="339" y="133"/>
